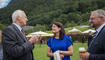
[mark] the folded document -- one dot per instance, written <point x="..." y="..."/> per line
<point x="57" y="55"/>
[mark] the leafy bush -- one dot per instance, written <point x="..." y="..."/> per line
<point x="2" y="26"/>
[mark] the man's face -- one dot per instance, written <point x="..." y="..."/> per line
<point x="23" y="20"/>
<point x="94" y="20"/>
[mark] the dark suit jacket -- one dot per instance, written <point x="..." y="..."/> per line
<point x="15" y="46"/>
<point x="89" y="39"/>
<point x="97" y="48"/>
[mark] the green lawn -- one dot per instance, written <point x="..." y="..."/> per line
<point x="40" y="52"/>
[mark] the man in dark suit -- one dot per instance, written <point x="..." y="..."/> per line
<point x="15" y="44"/>
<point x="90" y="34"/>
<point x="96" y="50"/>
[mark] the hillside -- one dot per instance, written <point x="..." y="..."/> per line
<point x="42" y="12"/>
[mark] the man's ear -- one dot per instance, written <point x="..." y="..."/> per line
<point x="102" y="17"/>
<point x="18" y="18"/>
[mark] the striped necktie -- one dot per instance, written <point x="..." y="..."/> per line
<point x="94" y="36"/>
<point x="22" y="31"/>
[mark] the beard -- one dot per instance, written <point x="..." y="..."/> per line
<point x="94" y="25"/>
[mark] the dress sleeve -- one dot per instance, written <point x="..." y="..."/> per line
<point x="49" y="42"/>
<point x="69" y="41"/>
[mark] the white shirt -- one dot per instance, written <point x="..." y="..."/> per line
<point x="99" y="29"/>
<point x="18" y="26"/>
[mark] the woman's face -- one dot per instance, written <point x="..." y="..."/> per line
<point x="55" y="29"/>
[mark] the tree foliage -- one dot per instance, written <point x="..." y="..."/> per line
<point x="44" y="12"/>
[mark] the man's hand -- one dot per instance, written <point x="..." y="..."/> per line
<point x="34" y="39"/>
<point x="84" y="56"/>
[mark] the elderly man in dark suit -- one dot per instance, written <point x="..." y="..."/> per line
<point x="15" y="44"/>
<point x="96" y="50"/>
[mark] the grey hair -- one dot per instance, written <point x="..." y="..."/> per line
<point x="16" y="13"/>
<point x="100" y="13"/>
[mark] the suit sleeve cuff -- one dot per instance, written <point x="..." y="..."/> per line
<point x="90" y="57"/>
<point x="28" y="45"/>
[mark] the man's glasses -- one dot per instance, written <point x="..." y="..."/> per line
<point x="93" y="18"/>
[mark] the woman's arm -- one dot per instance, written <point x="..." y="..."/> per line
<point x="67" y="53"/>
<point x="49" y="53"/>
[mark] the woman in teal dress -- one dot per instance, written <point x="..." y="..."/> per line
<point x="59" y="42"/>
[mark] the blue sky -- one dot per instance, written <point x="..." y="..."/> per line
<point x="4" y="3"/>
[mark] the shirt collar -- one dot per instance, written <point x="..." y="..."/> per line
<point x="17" y="26"/>
<point x="99" y="29"/>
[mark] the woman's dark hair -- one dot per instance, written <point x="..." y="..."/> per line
<point x="62" y="31"/>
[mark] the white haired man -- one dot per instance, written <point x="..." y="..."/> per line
<point x="96" y="50"/>
<point x="15" y="44"/>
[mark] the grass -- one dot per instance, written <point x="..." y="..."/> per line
<point x="40" y="52"/>
<point x="76" y="51"/>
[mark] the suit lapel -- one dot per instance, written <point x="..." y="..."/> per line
<point x="97" y="35"/>
<point x="100" y="31"/>
<point x="18" y="32"/>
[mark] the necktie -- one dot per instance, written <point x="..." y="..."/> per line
<point x="94" y="36"/>
<point x="22" y="31"/>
